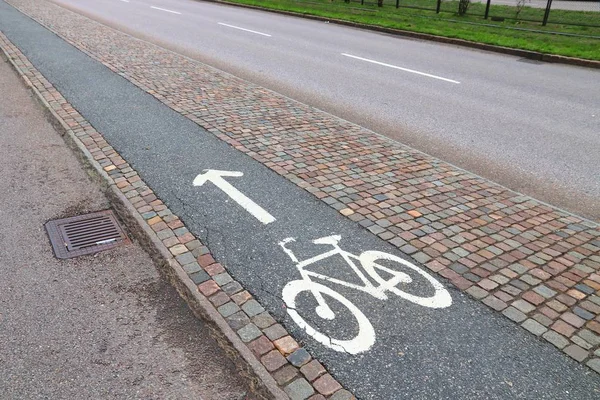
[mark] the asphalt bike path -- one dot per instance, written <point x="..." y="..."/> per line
<point x="418" y="339"/>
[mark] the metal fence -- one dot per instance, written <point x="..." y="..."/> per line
<point x="590" y="9"/>
<point x="544" y="11"/>
<point x="565" y="12"/>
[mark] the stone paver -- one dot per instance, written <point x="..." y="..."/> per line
<point x="261" y="346"/>
<point x="286" y="345"/>
<point x="312" y="370"/>
<point x="576" y="352"/>
<point x="520" y="252"/>
<point x="514" y="314"/>
<point x="252" y="308"/>
<point x="534" y="327"/>
<point x="285" y="375"/>
<point x="228" y="309"/>
<point x="299" y="357"/>
<point x="556" y="339"/>
<point x="299" y="389"/>
<point x="249" y="332"/>
<point x="326" y="385"/>
<point x="342" y="395"/>
<point x="273" y="360"/>
<point x="594" y="364"/>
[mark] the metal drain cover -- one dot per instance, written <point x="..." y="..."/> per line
<point x="530" y="61"/>
<point x="85" y="234"/>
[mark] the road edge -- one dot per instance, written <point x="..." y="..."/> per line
<point x="266" y="356"/>
<point x="529" y="54"/>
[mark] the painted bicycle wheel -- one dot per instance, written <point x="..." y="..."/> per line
<point x="441" y="297"/>
<point x="366" y="334"/>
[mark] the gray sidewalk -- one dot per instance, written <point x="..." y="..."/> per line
<point x="93" y="327"/>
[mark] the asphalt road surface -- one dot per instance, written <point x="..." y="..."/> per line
<point x="461" y="351"/>
<point x="103" y="326"/>
<point x="531" y="127"/>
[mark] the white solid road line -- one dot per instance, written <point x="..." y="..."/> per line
<point x="164" y="9"/>
<point x="244" y="29"/>
<point x="400" y="68"/>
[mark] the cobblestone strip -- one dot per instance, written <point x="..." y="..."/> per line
<point x="536" y="264"/>
<point x="292" y="367"/>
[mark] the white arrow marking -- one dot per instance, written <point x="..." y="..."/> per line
<point x="216" y="177"/>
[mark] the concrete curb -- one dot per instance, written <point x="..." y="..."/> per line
<point x="261" y="383"/>
<point x="533" y="55"/>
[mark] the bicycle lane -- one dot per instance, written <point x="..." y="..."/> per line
<point x="464" y="350"/>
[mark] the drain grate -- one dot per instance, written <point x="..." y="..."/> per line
<point x="85" y="234"/>
<point x="530" y="61"/>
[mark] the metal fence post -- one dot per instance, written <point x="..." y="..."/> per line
<point x="487" y="9"/>
<point x="437" y="8"/>
<point x="547" y="13"/>
<point x="397" y="3"/>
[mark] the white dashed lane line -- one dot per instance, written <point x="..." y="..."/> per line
<point x="412" y="71"/>
<point x="244" y="29"/>
<point x="164" y="9"/>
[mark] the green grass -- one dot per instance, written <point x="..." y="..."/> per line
<point x="467" y="27"/>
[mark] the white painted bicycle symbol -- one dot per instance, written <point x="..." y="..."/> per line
<point x="368" y="260"/>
